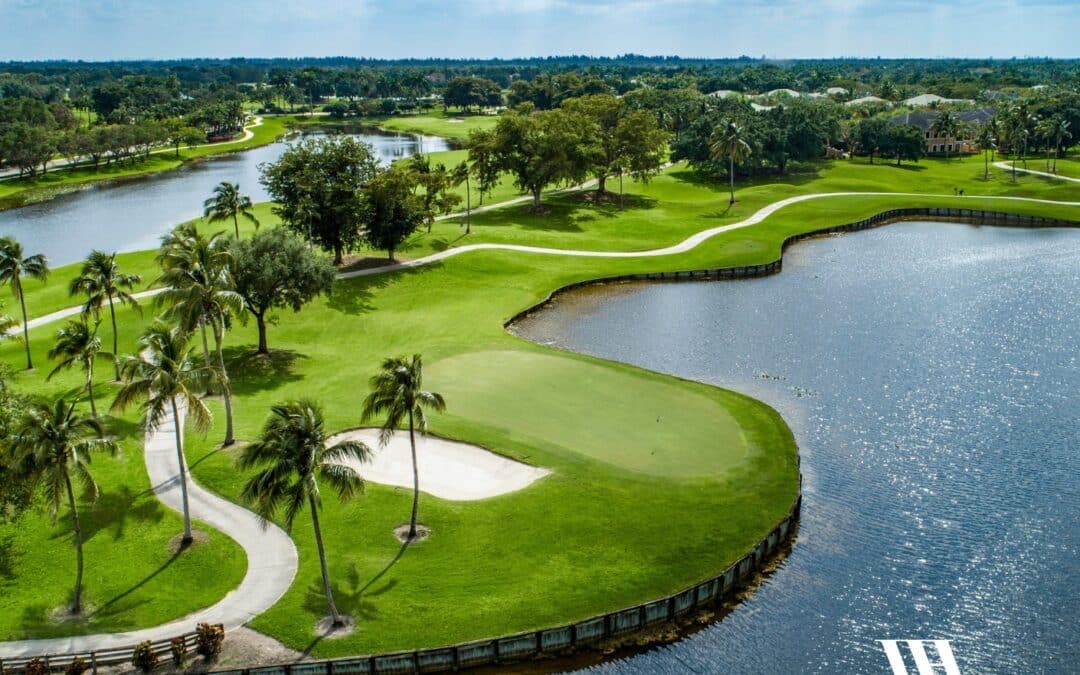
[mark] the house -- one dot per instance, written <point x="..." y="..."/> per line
<point x="868" y="100"/>
<point x="936" y="145"/>
<point x="926" y="100"/>
<point x="836" y="91"/>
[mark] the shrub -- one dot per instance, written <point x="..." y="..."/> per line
<point x="36" y="666"/>
<point x="144" y="657"/>
<point x="208" y="639"/>
<point x="78" y="666"/>
<point x="179" y="651"/>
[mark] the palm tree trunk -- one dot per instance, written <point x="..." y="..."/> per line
<point x="236" y="225"/>
<point x="731" y="178"/>
<point x="25" y="325"/>
<point x="225" y="392"/>
<point x="182" y="466"/>
<point x="986" y="165"/>
<point x="468" y="202"/>
<point x="415" y="478"/>
<point x="115" y="340"/>
<point x="90" y="385"/>
<point x="206" y="352"/>
<point x="76" y="603"/>
<point x="335" y="616"/>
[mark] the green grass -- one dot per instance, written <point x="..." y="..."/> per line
<point x="131" y="580"/>
<point x="437" y="124"/>
<point x="656" y="482"/>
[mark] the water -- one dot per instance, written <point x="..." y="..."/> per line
<point x="132" y="215"/>
<point x="931" y="374"/>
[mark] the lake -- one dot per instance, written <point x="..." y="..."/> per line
<point x="931" y="374"/>
<point x="132" y="215"/>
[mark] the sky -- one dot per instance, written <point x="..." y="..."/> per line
<point x="156" y="29"/>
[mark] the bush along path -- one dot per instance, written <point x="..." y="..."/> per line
<point x="271" y="554"/>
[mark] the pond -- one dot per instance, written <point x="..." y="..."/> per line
<point x="132" y="215"/>
<point x="931" y="374"/>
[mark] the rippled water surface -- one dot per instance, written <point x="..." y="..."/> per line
<point x="132" y="215"/>
<point x="931" y="373"/>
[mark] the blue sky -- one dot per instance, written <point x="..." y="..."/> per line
<point x="130" y="29"/>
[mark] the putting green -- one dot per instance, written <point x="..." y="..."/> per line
<point x="650" y="425"/>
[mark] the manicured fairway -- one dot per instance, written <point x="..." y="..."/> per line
<point x="656" y="482"/>
<point x="522" y="392"/>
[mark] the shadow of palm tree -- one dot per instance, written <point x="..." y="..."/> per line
<point x="115" y="605"/>
<point x="8" y="557"/>
<point x="351" y="601"/>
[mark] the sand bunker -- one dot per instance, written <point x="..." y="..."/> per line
<point x="448" y="469"/>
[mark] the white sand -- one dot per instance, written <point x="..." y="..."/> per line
<point x="448" y="469"/>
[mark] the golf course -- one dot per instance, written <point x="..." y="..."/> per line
<point x="654" y="482"/>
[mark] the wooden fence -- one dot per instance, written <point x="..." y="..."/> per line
<point x="559" y="640"/>
<point x="98" y="658"/>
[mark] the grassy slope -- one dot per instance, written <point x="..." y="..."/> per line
<point x="599" y="530"/>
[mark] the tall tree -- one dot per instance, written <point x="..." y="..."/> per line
<point x="199" y="292"/>
<point x="275" y="269"/>
<point x="729" y="142"/>
<point x="544" y="148"/>
<point x="292" y="459"/>
<point x="1059" y="134"/>
<point x="77" y="344"/>
<point x="391" y="210"/>
<point x="987" y="142"/>
<point x="103" y="283"/>
<point x="397" y="392"/>
<point x="13" y="267"/>
<point x="945" y="126"/>
<point x="436" y="183"/>
<point x="625" y="140"/>
<point x="317" y="184"/>
<point x="162" y="377"/>
<point x="228" y="204"/>
<point x="53" y="445"/>
<point x="870" y="133"/>
<point x="484" y="160"/>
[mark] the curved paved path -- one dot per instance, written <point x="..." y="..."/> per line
<point x="1008" y="167"/>
<point x="272" y="556"/>
<point x="271" y="560"/>
<point x="685" y="245"/>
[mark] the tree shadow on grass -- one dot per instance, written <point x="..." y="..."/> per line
<point x="114" y="509"/>
<point x="352" y="601"/>
<point x="9" y="557"/>
<point x="116" y="605"/>
<point x="355" y="296"/>
<point x="251" y="372"/>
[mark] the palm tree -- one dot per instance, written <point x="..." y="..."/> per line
<point x="292" y="459"/>
<point x="945" y="126"/>
<point x="987" y="142"/>
<point x="198" y="291"/>
<point x="52" y="444"/>
<point x="1044" y="131"/>
<point x="729" y="142"/>
<point x="1060" y="134"/>
<point x="103" y="283"/>
<point x="163" y="376"/>
<point x="397" y="391"/>
<point x="75" y="344"/>
<point x="13" y="267"/>
<point x="226" y="203"/>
